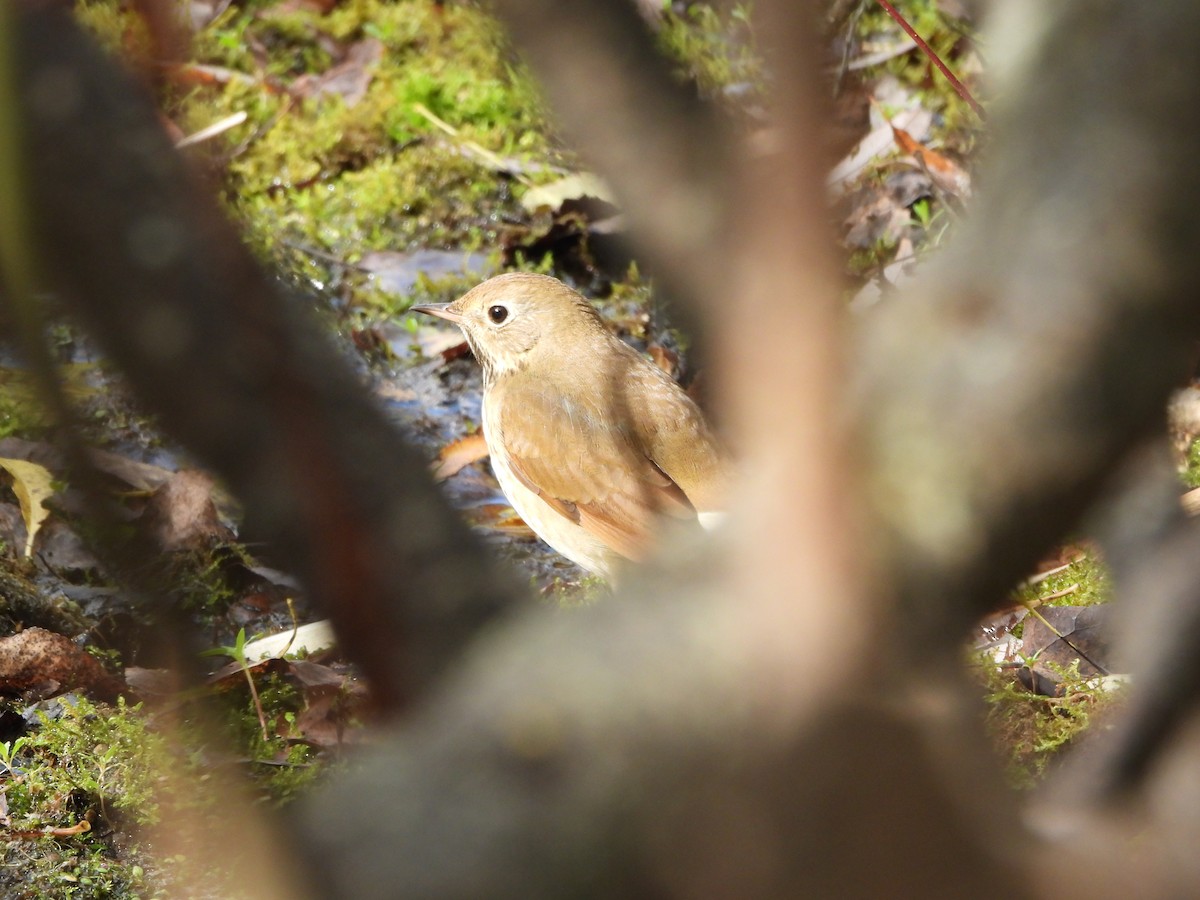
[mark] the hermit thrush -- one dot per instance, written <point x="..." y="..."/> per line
<point x="589" y="440"/>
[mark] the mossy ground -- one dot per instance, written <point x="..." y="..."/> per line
<point x="94" y="770"/>
<point x="715" y="48"/>
<point x="315" y="179"/>
<point x="1032" y="730"/>
<point x="955" y="129"/>
<point x="956" y="126"/>
<point x="1083" y="582"/>
<point x="91" y="780"/>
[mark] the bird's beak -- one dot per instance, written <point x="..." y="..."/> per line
<point x="441" y="310"/>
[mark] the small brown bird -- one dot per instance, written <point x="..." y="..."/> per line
<point x="589" y="440"/>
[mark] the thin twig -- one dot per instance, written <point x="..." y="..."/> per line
<point x="212" y="130"/>
<point x="958" y="86"/>
<point x="258" y="707"/>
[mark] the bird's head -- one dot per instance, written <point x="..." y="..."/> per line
<point x="512" y="320"/>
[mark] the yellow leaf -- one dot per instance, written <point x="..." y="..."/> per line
<point x="32" y="485"/>
<point x="572" y="187"/>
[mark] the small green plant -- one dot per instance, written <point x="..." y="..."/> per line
<point x="9" y="751"/>
<point x="237" y="652"/>
<point x="265" y="731"/>
<point x="921" y="212"/>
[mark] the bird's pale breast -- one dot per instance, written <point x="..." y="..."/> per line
<point x="565" y="536"/>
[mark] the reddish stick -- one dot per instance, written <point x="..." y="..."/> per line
<point x="958" y="86"/>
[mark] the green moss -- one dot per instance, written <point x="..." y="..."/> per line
<point x="22" y="411"/>
<point x="378" y="174"/>
<point x="204" y="581"/>
<point x="871" y="259"/>
<point x="92" y="764"/>
<point x="104" y="752"/>
<point x="573" y="595"/>
<point x="313" y="173"/>
<point x="430" y="290"/>
<point x="954" y="120"/>
<point x="628" y="302"/>
<point x="1087" y="580"/>
<point x="1191" y="466"/>
<point x="714" y="48"/>
<point x="117" y="27"/>
<point x="283" y="765"/>
<point x="1031" y="730"/>
<point x="104" y="410"/>
<point x="105" y="766"/>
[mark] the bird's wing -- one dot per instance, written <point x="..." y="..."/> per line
<point x="583" y="467"/>
<point x="673" y="433"/>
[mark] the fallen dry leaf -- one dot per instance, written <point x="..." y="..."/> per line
<point x="310" y="638"/>
<point x="448" y="343"/>
<point x="152" y="683"/>
<point x="62" y="550"/>
<point x="37" y="662"/>
<point x="948" y="174"/>
<point x="667" y="360"/>
<point x="195" y="74"/>
<point x="32" y="483"/>
<point x="572" y="187"/>
<point x="318" y="6"/>
<point x="140" y="475"/>
<point x="349" y="79"/>
<point x="181" y="512"/>
<point x="500" y="517"/>
<point x="1191" y="502"/>
<point x="232" y="676"/>
<point x="874" y="145"/>
<point x="314" y="675"/>
<point x="455" y="456"/>
<point x="395" y="393"/>
<point x="327" y="712"/>
<point x="1055" y="637"/>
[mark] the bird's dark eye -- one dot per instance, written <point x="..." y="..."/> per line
<point x="497" y="313"/>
